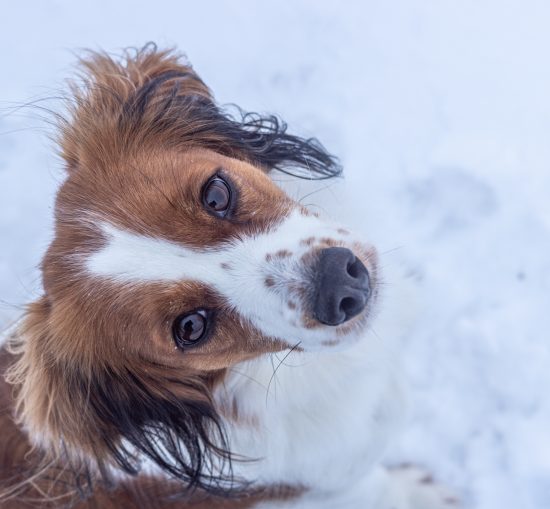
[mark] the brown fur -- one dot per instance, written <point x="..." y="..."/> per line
<point x="128" y="170"/>
<point x="93" y="362"/>
<point x="18" y="461"/>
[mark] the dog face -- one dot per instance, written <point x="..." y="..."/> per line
<point x="175" y="257"/>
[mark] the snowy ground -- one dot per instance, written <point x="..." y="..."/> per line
<point x="440" y="112"/>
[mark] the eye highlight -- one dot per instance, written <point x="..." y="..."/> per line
<point x="217" y="195"/>
<point x="190" y="328"/>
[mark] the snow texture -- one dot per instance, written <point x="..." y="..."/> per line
<point x="440" y="112"/>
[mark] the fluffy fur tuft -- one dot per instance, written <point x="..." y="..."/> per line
<point x="151" y="99"/>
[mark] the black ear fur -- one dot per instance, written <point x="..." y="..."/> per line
<point x="162" y="109"/>
<point x="183" y="436"/>
<point x="263" y="139"/>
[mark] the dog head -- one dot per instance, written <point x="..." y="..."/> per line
<point x="175" y="257"/>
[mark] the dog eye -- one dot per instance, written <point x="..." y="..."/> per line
<point x="189" y="329"/>
<point x="217" y="195"/>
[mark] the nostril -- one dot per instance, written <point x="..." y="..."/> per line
<point x="355" y="268"/>
<point x="348" y="305"/>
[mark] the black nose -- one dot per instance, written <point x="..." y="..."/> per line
<point x="342" y="286"/>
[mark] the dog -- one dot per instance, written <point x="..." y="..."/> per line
<point x="180" y="285"/>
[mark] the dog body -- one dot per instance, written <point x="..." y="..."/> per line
<point x="200" y="333"/>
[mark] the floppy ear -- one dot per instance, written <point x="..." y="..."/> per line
<point x="116" y="103"/>
<point x="264" y="141"/>
<point x="163" y="112"/>
<point x="97" y="417"/>
<point x="150" y="99"/>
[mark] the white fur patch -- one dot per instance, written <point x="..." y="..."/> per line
<point x="237" y="270"/>
<point x="316" y="419"/>
<point x="319" y="420"/>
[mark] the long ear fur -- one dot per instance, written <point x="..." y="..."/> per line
<point x="151" y="99"/>
<point x="262" y="140"/>
<point x="102" y="418"/>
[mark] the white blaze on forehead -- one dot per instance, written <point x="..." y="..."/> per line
<point x="237" y="270"/>
<point x="130" y="257"/>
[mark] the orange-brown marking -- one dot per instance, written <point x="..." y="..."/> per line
<point x="327" y="241"/>
<point x="283" y="253"/>
<point x="307" y="242"/>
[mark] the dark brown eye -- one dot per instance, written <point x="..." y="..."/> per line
<point x="190" y="329"/>
<point x="217" y="195"/>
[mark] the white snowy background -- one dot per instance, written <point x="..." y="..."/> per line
<point x="440" y="112"/>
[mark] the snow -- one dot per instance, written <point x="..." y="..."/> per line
<point x="440" y="112"/>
